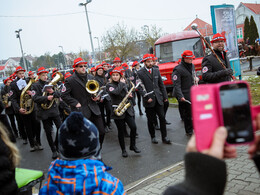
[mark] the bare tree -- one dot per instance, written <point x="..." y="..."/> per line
<point x="150" y="34"/>
<point x="119" y="41"/>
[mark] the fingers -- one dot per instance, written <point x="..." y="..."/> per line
<point x="230" y="152"/>
<point x="217" y="146"/>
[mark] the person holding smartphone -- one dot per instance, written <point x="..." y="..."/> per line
<point x="206" y="172"/>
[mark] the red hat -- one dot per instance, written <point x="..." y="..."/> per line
<point x="73" y="69"/>
<point x="42" y="70"/>
<point x="93" y="69"/>
<point x="125" y="66"/>
<point x="117" y="70"/>
<point x="55" y="70"/>
<point x="13" y="76"/>
<point x="67" y="75"/>
<point x="53" y="75"/>
<point x="104" y="63"/>
<point x="135" y="63"/>
<point x="147" y="57"/>
<point x="187" y="54"/>
<point x="7" y="79"/>
<point x="30" y="72"/>
<point x="99" y="67"/>
<point x="117" y="59"/>
<point x="19" y="68"/>
<point x="218" y="37"/>
<point x="78" y="61"/>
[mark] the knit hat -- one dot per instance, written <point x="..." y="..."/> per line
<point x="78" y="138"/>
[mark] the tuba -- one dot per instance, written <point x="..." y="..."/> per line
<point x="58" y="77"/>
<point x="92" y="87"/>
<point x="26" y="101"/>
<point x="124" y="104"/>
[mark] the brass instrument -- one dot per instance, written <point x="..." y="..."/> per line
<point x="5" y="99"/>
<point x="92" y="87"/>
<point x="194" y="26"/>
<point x="58" y="77"/>
<point x="124" y="104"/>
<point x="26" y="101"/>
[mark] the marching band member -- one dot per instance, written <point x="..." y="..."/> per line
<point x="117" y="90"/>
<point x="93" y="71"/>
<point x="154" y="102"/>
<point x="74" y="93"/>
<point x="8" y="105"/>
<point x="32" y="126"/>
<point x="105" y="100"/>
<point x="47" y="116"/>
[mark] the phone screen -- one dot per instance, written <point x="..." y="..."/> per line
<point x="236" y="113"/>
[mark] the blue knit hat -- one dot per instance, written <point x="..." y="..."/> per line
<point x="78" y="138"/>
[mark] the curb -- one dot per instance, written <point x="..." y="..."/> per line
<point x="139" y="184"/>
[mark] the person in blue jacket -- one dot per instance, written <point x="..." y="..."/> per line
<point x="79" y="169"/>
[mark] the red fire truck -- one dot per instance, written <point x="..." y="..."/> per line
<point x="168" y="50"/>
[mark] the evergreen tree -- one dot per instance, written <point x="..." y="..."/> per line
<point x="246" y="28"/>
<point x="253" y="32"/>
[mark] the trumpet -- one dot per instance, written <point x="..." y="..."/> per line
<point x="92" y="87"/>
<point x="58" y="77"/>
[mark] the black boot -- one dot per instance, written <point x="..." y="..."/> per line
<point x="135" y="149"/>
<point x="124" y="153"/>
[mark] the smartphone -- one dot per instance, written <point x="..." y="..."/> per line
<point x="204" y="114"/>
<point x="235" y="111"/>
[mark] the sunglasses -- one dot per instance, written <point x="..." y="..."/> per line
<point x="82" y="66"/>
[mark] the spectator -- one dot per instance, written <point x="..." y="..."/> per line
<point x="206" y="172"/>
<point x="79" y="170"/>
<point x="9" y="159"/>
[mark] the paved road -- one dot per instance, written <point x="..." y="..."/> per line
<point x="136" y="166"/>
<point x="255" y="63"/>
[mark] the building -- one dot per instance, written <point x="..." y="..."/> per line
<point x="246" y="10"/>
<point x="204" y="28"/>
<point x="7" y="67"/>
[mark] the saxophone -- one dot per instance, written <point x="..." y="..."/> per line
<point x="124" y="104"/>
<point x="5" y="99"/>
<point x="26" y="101"/>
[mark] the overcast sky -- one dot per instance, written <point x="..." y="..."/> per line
<point x="50" y="23"/>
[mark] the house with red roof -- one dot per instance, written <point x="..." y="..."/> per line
<point x="246" y="10"/>
<point x="204" y="27"/>
<point x="7" y="67"/>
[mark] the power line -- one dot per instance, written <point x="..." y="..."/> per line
<point x="95" y="13"/>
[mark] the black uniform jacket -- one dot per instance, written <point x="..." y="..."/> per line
<point x="38" y="98"/>
<point x="15" y="94"/>
<point x="74" y="92"/>
<point x="117" y="92"/>
<point x="183" y="79"/>
<point x="102" y="81"/>
<point x="152" y="82"/>
<point x="212" y="70"/>
<point x="4" y="91"/>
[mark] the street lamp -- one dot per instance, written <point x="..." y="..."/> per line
<point x="85" y="5"/>
<point x="19" y="37"/>
<point x="65" y="61"/>
<point x="98" y="47"/>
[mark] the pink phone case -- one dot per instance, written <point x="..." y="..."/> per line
<point x="255" y="111"/>
<point x="205" y="114"/>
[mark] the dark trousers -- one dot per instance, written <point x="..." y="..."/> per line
<point x="12" y="120"/>
<point x="151" y="115"/>
<point x="4" y="120"/>
<point x="121" y="128"/>
<point x="21" y="127"/>
<point x="139" y="101"/>
<point x="185" y="109"/>
<point x="32" y="127"/>
<point x="47" y="125"/>
<point x="97" y="120"/>
<point x="105" y="105"/>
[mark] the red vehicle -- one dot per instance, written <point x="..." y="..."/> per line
<point x="168" y="50"/>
